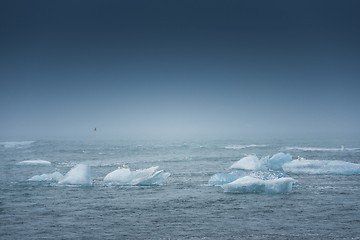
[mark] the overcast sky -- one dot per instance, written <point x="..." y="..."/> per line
<point x="179" y="68"/>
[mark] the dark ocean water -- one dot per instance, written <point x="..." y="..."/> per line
<point x="320" y="206"/>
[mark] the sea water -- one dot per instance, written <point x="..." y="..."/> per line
<point x="284" y="189"/>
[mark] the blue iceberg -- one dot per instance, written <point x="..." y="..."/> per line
<point x="278" y="160"/>
<point x="253" y="175"/>
<point x="250" y="184"/>
<point x="224" y="178"/>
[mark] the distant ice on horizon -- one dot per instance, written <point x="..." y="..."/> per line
<point x="320" y="149"/>
<point x="16" y="144"/>
<point x="235" y="147"/>
<point x="34" y="162"/>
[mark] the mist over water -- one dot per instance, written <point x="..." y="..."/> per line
<point x="179" y="119"/>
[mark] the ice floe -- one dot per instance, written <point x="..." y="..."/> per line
<point x="250" y="184"/>
<point x="252" y="162"/>
<point x="145" y="177"/>
<point x="253" y="175"/>
<point x="47" y="177"/>
<point x="78" y="175"/>
<point x="219" y="179"/>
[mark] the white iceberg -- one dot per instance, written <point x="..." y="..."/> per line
<point x="250" y="184"/>
<point x="50" y="177"/>
<point x="279" y="185"/>
<point x="224" y="178"/>
<point x="145" y="177"/>
<point x="34" y="162"/>
<point x="250" y="162"/>
<point x="78" y="175"/>
<point x="303" y="166"/>
<point x="245" y="185"/>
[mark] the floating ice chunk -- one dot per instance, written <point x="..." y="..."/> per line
<point x="245" y="185"/>
<point x="279" y="185"/>
<point x="267" y="174"/>
<point x="78" y="175"/>
<point x="18" y="144"/>
<point x="157" y="179"/>
<point x="224" y="178"/>
<point x="276" y="161"/>
<point x="149" y="176"/>
<point x="302" y="166"/>
<point x="34" y="162"/>
<point x="50" y="177"/>
<point x="254" y="185"/>
<point x="250" y="162"/>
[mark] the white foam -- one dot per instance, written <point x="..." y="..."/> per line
<point x="78" y="175"/>
<point x="302" y="166"/>
<point x="254" y="185"/>
<point x="34" y="162"/>
<point x="50" y="177"/>
<point x="148" y="176"/>
<point x="17" y="144"/>
<point x="244" y="146"/>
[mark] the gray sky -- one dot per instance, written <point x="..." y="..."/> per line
<point x="179" y="68"/>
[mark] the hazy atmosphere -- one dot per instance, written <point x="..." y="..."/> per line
<point x="219" y="69"/>
<point x="179" y="119"/>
